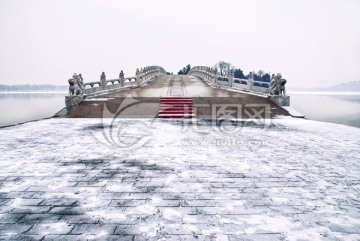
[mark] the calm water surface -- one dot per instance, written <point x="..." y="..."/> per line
<point x="21" y="107"/>
<point x="340" y="109"/>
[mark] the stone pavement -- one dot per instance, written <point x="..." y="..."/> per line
<point x="292" y="181"/>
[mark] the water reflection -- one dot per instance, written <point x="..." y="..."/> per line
<point x="30" y="95"/>
<point x="349" y="98"/>
<point x="341" y="109"/>
<point x="22" y="107"/>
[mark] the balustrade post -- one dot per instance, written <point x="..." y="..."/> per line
<point x="103" y="81"/>
<point x="215" y="76"/>
<point x="138" y="76"/>
<point x="122" y="78"/>
<point x="250" y="82"/>
<point x="231" y="78"/>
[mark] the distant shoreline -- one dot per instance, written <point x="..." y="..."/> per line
<point x="33" y="92"/>
<point x="323" y="93"/>
<point x="288" y="92"/>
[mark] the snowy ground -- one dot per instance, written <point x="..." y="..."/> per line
<point x="72" y="179"/>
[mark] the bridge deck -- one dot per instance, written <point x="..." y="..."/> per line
<point x="147" y="99"/>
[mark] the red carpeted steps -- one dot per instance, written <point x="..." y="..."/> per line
<point x="176" y="107"/>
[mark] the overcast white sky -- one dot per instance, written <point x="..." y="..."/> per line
<point x="311" y="42"/>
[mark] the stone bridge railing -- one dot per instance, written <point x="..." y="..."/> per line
<point x="78" y="90"/>
<point x="108" y="85"/>
<point x="211" y="76"/>
<point x="141" y="76"/>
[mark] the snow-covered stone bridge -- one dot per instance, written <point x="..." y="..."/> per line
<point x="158" y="94"/>
<point x="258" y="175"/>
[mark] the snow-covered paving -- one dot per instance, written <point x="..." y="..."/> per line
<point x="79" y="179"/>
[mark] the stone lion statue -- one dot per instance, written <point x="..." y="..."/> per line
<point x="277" y="85"/>
<point x="282" y="90"/>
<point x="76" y="86"/>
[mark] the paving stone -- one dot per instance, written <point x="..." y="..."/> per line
<point x="14" y="187"/>
<point x="87" y="237"/>
<point x="344" y="228"/>
<point x="151" y="183"/>
<point x="91" y="184"/>
<point x="227" y="210"/>
<point x="257" y="237"/>
<point x="93" y="229"/>
<point x="118" y="237"/>
<point x="31" y="210"/>
<point x="2" y="178"/>
<point x="18" y="194"/>
<point x="201" y="219"/>
<point x="22" y="237"/>
<point x="39" y="218"/>
<point x="79" y="219"/>
<point x="166" y="203"/>
<point x="12" y="229"/>
<point x="67" y="210"/>
<point x="199" y="203"/>
<point x="52" y="237"/>
<point x="36" y="188"/>
<point x="5" y="209"/>
<point x="50" y="228"/>
<point x="179" y="229"/>
<point x="10" y="218"/>
<point x="226" y="196"/>
<point x="126" y="203"/>
<point x="25" y="202"/>
<point x="55" y="195"/>
<point x="173" y="238"/>
<point x="175" y="196"/>
<point x="3" y="201"/>
<point x="40" y="194"/>
<point x="133" y="230"/>
<point x="58" y="202"/>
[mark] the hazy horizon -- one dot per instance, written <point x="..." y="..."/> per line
<point x="293" y="88"/>
<point x="312" y="43"/>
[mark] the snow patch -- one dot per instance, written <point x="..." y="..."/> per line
<point x="120" y="187"/>
<point x="171" y="214"/>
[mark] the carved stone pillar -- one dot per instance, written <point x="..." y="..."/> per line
<point x="103" y="81"/>
<point x="250" y="82"/>
<point x="138" y="76"/>
<point x="122" y="78"/>
<point x="215" y="76"/>
<point x="231" y="78"/>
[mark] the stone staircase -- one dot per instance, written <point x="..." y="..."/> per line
<point x="176" y="107"/>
